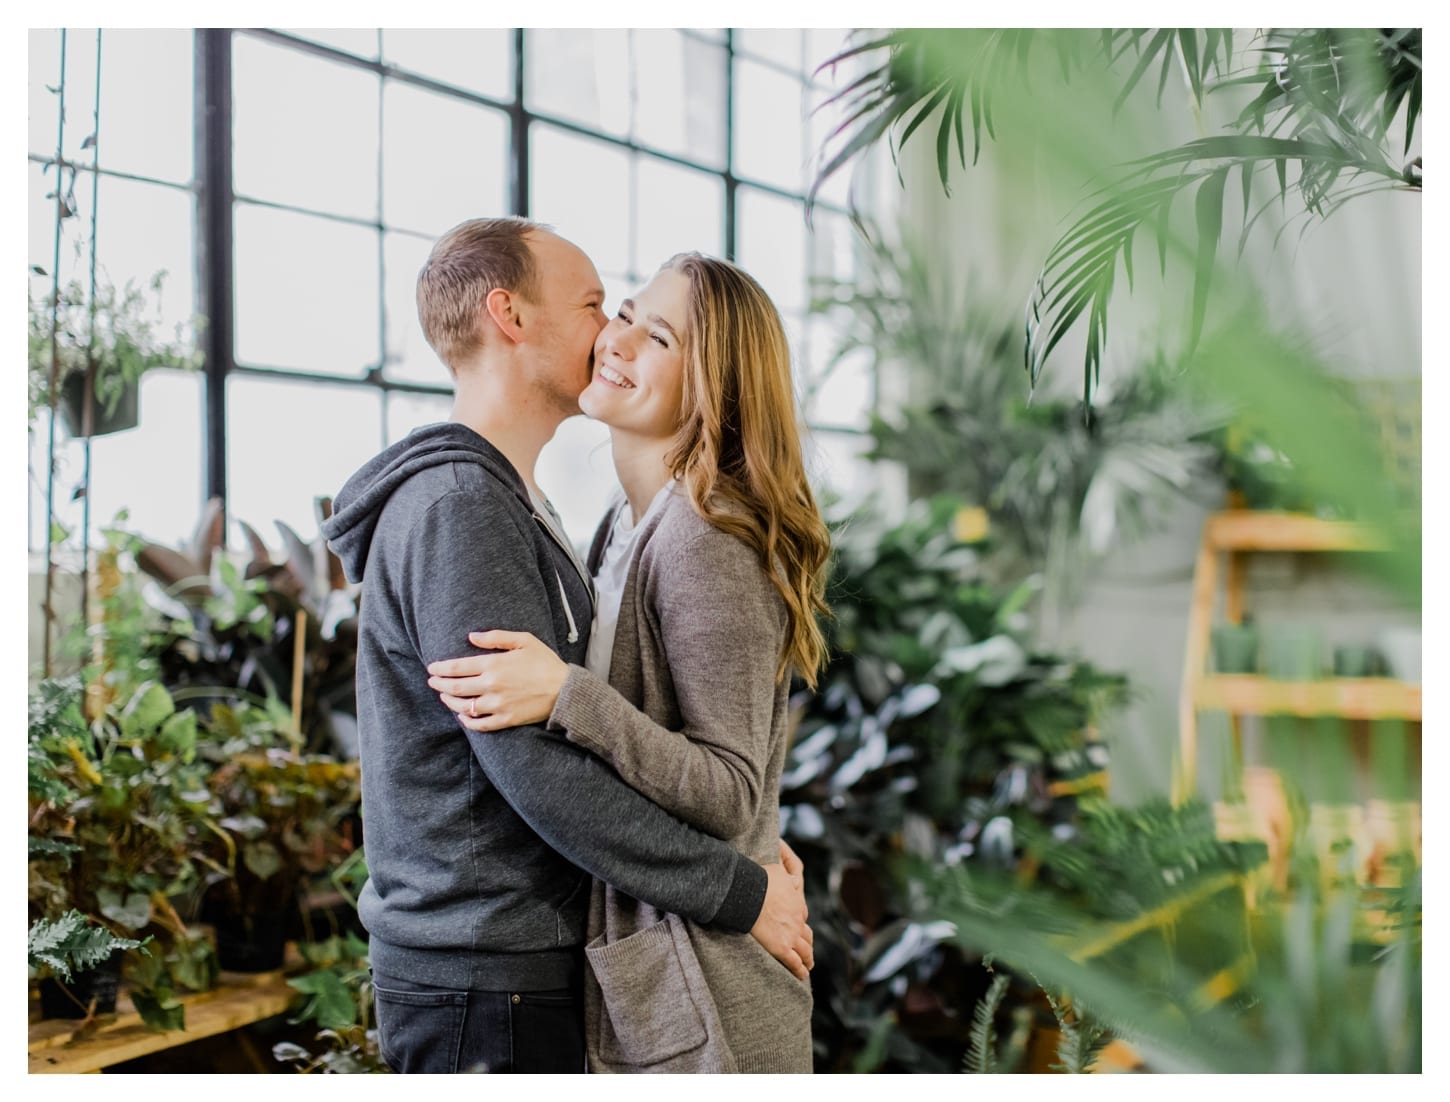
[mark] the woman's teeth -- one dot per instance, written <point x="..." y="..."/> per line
<point x="616" y="378"/>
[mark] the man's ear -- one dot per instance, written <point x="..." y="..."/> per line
<point x="503" y="308"/>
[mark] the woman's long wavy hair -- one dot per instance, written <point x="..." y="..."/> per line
<point x="738" y="448"/>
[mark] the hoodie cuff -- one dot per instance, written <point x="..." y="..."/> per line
<point x="744" y="899"/>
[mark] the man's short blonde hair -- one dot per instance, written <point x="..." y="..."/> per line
<point x="467" y="262"/>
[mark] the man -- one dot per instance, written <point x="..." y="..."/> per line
<point x="475" y="906"/>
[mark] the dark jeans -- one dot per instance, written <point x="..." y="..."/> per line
<point x="437" y="1029"/>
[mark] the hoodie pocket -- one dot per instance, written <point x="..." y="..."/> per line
<point x="649" y="983"/>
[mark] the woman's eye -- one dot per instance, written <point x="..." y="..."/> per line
<point x="659" y="340"/>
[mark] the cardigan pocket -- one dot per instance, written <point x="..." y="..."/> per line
<point x="649" y="983"/>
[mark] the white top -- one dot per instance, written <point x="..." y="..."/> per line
<point x="609" y="582"/>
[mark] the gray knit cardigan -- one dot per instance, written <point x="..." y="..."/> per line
<point x="693" y="718"/>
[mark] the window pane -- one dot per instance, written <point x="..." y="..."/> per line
<point x="771" y="241"/>
<point x="416" y="126"/>
<point x="821" y="121"/>
<point x="146" y="228"/>
<point x="305" y="130"/>
<point x="479" y="60"/>
<point x="74" y="232"/>
<point x="409" y="356"/>
<point x="680" y="95"/>
<point x="776" y="44"/>
<point x="617" y="288"/>
<point x="154" y="470"/>
<point x="835" y="465"/>
<point x="582" y="76"/>
<point x="362" y="41"/>
<point x="147" y="94"/>
<point x="146" y="91"/>
<point x="407" y="411"/>
<point x="769" y="131"/>
<point x="576" y="472"/>
<point x="832" y="246"/>
<point x="595" y="217"/>
<point x="289" y="442"/>
<point x="306" y="292"/>
<point x="840" y="393"/>
<point x="823" y="43"/>
<point x="43" y="73"/>
<point x="679" y="210"/>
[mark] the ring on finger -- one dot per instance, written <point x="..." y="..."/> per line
<point x="473" y="706"/>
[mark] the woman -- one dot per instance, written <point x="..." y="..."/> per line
<point x="709" y="574"/>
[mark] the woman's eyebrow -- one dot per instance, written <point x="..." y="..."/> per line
<point x="664" y="325"/>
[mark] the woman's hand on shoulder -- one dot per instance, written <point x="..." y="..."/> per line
<point x="515" y="685"/>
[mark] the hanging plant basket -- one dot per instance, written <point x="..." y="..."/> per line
<point x="125" y="414"/>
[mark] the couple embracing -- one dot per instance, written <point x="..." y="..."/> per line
<point x="570" y="769"/>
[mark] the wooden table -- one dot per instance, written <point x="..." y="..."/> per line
<point x="238" y="999"/>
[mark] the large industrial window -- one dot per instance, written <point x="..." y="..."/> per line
<point x="345" y="153"/>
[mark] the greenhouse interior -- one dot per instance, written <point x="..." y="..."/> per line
<point x="1020" y="428"/>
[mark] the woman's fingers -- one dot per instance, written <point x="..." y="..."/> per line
<point x="461" y="686"/>
<point x="478" y="713"/>
<point x="806" y="953"/>
<point x="467" y="666"/>
<point x="501" y="640"/>
<point x="796" y="965"/>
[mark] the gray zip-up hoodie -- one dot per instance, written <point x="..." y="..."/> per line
<point x="473" y="839"/>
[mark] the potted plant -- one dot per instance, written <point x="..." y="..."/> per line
<point x="284" y="818"/>
<point x="100" y="348"/>
<point x="78" y="964"/>
<point x="1235" y="648"/>
<point x="117" y="816"/>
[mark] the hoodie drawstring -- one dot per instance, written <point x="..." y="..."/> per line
<point x="568" y="612"/>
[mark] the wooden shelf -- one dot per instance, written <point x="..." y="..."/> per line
<point x="1351" y="697"/>
<point x="1260" y="530"/>
<point x="236" y="1001"/>
<point x="1229" y="537"/>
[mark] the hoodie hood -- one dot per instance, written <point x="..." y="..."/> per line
<point x="349" y="531"/>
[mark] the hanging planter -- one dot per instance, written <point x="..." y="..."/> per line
<point x="123" y="413"/>
<point x="118" y="334"/>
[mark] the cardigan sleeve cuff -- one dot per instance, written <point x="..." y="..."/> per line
<point x="586" y="710"/>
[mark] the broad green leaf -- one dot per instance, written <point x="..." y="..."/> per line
<point x="147" y="709"/>
<point x="133" y="910"/>
<point x="262" y="858"/>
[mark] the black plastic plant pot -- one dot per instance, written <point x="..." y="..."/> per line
<point x="72" y="999"/>
<point x="126" y="415"/>
<point x="253" y="942"/>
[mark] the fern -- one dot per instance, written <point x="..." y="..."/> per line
<point x="1082" y="1038"/>
<point x="982" y="1056"/>
<point x="73" y="944"/>
<point x="53" y="847"/>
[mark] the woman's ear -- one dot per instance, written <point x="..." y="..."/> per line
<point x="502" y="308"/>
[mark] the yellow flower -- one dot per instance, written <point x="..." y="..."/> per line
<point x="971" y="525"/>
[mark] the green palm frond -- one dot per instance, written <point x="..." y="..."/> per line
<point x="1325" y="102"/>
